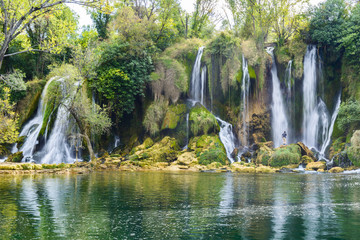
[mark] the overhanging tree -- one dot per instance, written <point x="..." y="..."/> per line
<point x="17" y="15"/>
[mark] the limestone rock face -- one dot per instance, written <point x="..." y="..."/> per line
<point x="187" y="158"/>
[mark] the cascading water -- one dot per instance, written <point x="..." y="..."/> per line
<point x="288" y="78"/>
<point x="245" y="102"/>
<point x="327" y="140"/>
<point x="32" y="129"/>
<point x="56" y="148"/>
<point x="197" y="94"/>
<point x="279" y="122"/>
<point x="227" y="137"/>
<point x="198" y="79"/>
<point x="311" y="115"/>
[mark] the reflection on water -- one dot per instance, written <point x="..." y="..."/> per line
<point x="157" y="205"/>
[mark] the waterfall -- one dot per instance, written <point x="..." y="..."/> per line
<point x="311" y="115"/>
<point x="32" y="129"/>
<point x="328" y="135"/>
<point x="245" y="101"/>
<point x="56" y="148"/>
<point x="279" y="120"/>
<point x="116" y="141"/>
<point x="203" y="85"/>
<point x="227" y="137"/>
<point x="198" y="78"/>
<point x="288" y="79"/>
<point x="187" y="131"/>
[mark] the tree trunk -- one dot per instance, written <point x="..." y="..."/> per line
<point x="90" y="149"/>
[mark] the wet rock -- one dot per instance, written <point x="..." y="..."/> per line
<point x="285" y="170"/>
<point x="286" y="155"/>
<point x="342" y="160"/>
<point x="305" y="151"/>
<point x="187" y="158"/>
<point x="235" y="153"/>
<point x="306" y="159"/>
<point x="336" y="170"/>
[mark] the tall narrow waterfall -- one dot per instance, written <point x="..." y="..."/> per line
<point x="327" y="140"/>
<point x="198" y="79"/>
<point x="245" y="102"/>
<point x="311" y="116"/>
<point x="56" y="149"/>
<point x="288" y="79"/>
<point x="279" y="120"/>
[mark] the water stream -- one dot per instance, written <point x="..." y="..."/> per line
<point x="245" y="87"/>
<point x="279" y="119"/>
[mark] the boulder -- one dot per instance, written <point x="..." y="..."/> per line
<point x="286" y="155"/>
<point x="173" y="116"/>
<point x="16" y="157"/>
<point x="208" y="149"/>
<point x="342" y="160"/>
<point x="305" y="151"/>
<point x="315" y="166"/>
<point x="263" y="154"/>
<point x="306" y="159"/>
<point x="187" y="158"/>
<point x="336" y="170"/>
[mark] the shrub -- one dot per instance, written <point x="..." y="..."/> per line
<point x="202" y="121"/>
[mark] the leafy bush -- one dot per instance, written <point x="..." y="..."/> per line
<point x="154" y="116"/>
<point x="349" y="113"/>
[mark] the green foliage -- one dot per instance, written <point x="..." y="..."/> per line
<point x="349" y="113"/>
<point x="15" y="81"/>
<point x="208" y="149"/>
<point x="287" y="155"/>
<point x="122" y="76"/>
<point x="154" y="116"/>
<point x="351" y="35"/>
<point x="353" y="151"/>
<point x="169" y="79"/>
<point x="101" y="20"/>
<point x="213" y="155"/>
<point x="327" y="21"/>
<point x="8" y="121"/>
<point x="16" y="157"/>
<point x="202" y="121"/>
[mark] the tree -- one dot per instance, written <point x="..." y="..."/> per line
<point x="204" y="10"/>
<point x="327" y="22"/>
<point x="351" y="35"/>
<point x="18" y="15"/>
<point x="288" y="17"/>
<point x="101" y="20"/>
<point x="8" y="122"/>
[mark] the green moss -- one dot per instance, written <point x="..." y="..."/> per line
<point x="202" y="121"/>
<point x="353" y="151"/>
<point x="263" y="155"/>
<point x="16" y="157"/>
<point x="208" y="149"/>
<point x="173" y="116"/>
<point x="4" y="151"/>
<point x="148" y="143"/>
<point x="251" y="72"/>
<point x="282" y="156"/>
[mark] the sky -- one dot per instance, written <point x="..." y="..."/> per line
<point x="187" y="5"/>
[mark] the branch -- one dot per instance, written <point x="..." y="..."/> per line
<point x="30" y="50"/>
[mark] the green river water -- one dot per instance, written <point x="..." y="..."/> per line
<point x="161" y="205"/>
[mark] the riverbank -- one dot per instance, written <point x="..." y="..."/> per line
<point x="118" y="164"/>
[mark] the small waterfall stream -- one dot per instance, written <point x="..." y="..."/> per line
<point x="197" y="94"/>
<point x="279" y="120"/>
<point x="245" y="87"/>
<point x="56" y="148"/>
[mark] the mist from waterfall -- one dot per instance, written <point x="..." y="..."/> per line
<point x="245" y="87"/>
<point x="279" y="120"/>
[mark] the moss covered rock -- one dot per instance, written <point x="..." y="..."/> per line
<point x="173" y="116"/>
<point x="148" y="143"/>
<point x="16" y="157"/>
<point x="336" y="170"/>
<point x="353" y="151"/>
<point x="305" y="151"/>
<point x="286" y="155"/>
<point x="187" y="158"/>
<point x="208" y="149"/>
<point x="264" y="153"/>
<point x="337" y="146"/>
<point x="316" y="165"/>
<point x="306" y="159"/>
<point x="202" y="121"/>
<point x="164" y="151"/>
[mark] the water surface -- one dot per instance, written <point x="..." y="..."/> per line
<point x="158" y="205"/>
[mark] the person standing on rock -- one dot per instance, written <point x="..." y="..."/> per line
<point x="284" y="135"/>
